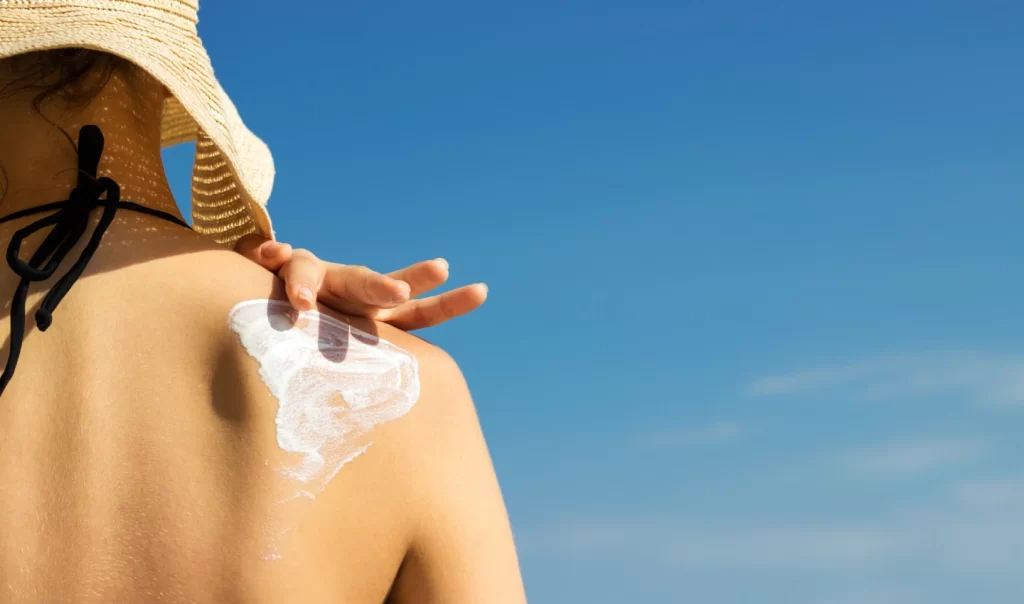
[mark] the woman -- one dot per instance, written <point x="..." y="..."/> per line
<point x="180" y="433"/>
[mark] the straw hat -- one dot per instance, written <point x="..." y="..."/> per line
<point x="233" y="170"/>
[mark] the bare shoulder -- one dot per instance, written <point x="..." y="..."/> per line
<point x="442" y="383"/>
<point x="429" y="355"/>
<point x="429" y="452"/>
<point x="462" y="548"/>
<point x="374" y="366"/>
<point x="443" y="419"/>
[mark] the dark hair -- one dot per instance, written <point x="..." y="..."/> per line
<point x="72" y="75"/>
<point x="75" y="75"/>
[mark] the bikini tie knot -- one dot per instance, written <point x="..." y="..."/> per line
<point x="69" y="221"/>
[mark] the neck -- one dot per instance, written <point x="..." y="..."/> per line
<point x="39" y="161"/>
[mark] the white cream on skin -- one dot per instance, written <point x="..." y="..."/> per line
<point x="333" y="382"/>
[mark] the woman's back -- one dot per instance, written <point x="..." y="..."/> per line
<point x="143" y="456"/>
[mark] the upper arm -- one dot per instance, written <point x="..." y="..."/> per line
<point x="461" y="548"/>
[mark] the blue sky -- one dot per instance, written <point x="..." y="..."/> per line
<point x="755" y="314"/>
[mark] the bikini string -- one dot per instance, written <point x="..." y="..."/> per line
<point x="69" y="220"/>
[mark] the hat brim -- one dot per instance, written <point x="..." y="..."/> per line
<point x="234" y="171"/>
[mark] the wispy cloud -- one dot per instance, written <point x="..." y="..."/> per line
<point x="901" y="458"/>
<point x="985" y="378"/>
<point x="699" y="547"/>
<point x="995" y="492"/>
<point x="941" y="539"/>
<point x="876" y="595"/>
<point x="708" y="434"/>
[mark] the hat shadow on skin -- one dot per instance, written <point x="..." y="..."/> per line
<point x="130" y="97"/>
<point x="133" y="239"/>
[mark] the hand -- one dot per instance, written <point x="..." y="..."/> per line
<point x="357" y="290"/>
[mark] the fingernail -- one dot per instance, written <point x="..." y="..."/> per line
<point x="306" y="295"/>
<point x="443" y="261"/>
<point x="270" y="249"/>
<point x="486" y="289"/>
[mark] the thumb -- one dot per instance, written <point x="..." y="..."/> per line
<point x="267" y="253"/>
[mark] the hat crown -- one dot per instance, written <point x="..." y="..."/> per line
<point x="182" y="8"/>
<point x="191" y="5"/>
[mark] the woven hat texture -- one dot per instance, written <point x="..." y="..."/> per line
<point x="233" y="171"/>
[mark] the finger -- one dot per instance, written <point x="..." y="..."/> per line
<point x="356" y="309"/>
<point x="423" y="276"/>
<point x="427" y="312"/>
<point x="303" y="274"/>
<point x="360" y="285"/>
<point x="267" y="253"/>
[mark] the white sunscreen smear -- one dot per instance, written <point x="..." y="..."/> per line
<point x="333" y="383"/>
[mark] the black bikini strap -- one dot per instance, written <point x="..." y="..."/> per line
<point x="69" y="220"/>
